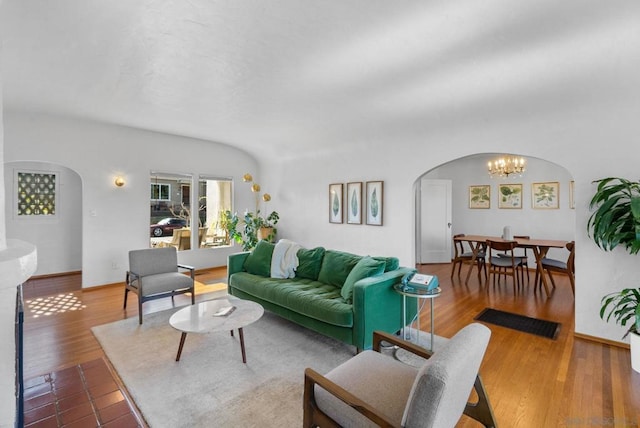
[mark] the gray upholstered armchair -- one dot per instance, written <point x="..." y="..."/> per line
<point x="153" y="273"/>
<point x="372" y="389"/>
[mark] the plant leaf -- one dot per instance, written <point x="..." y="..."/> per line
<point x="374" y="204"/>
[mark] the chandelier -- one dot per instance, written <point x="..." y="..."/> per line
<point x="505" y="166"/>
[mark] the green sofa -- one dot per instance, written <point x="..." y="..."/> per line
<point x="338" y="294"/>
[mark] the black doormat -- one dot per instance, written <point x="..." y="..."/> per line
<point x="522" y="323"/>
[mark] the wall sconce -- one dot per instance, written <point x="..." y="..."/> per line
<point x="119" y="181"/>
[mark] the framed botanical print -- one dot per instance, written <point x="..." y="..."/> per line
<point x="510" y="196"/>
<point x="354" y="203"/>
<point x="335" y="203"/>
<point x="480" y="196"/>
<point x="374" y="203"/>
<point x="545" y="195"/>
<point x="572" y="201"/>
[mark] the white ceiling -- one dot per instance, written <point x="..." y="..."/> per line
<point x="297" y="76"/>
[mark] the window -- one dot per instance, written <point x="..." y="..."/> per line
<point x="170" y="210"/>
<point x="214" y="197"/>
<point x="172" y="219"/>
<point x="160" y="192"/>
<point x="36" y="193"/>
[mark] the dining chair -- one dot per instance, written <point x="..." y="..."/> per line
<point x="502" y="261"/>
<point x="463" y="255"/>
<point x="566" y="267"/>
<point x="522" y="259"/>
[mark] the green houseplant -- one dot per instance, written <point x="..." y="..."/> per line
<point x="624" y="307"/>
<point x="253" y="226"/>
<point x="616" y="221"/>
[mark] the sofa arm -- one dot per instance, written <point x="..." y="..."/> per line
<point x="377" y="306"/>
<point x="235" y="263"/>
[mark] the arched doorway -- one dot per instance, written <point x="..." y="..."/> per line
<point x="58" y="235"/>
<point x="523" y="219"/>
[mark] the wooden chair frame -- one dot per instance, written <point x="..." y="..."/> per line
<point x="464" y="257"/>
<point x="504" y="251"/>
<point x="314" y="417"/>
<point x="569" y="271"/>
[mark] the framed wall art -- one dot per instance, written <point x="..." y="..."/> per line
<point x="545" y="196"/>
<point x="374" y="203"/>
<point x="480" y="196"/>
<point x="572" y="201"/>
<point x="354" y="203"/>
<point x="335" y="203"/>
<point x="510" y="196"/>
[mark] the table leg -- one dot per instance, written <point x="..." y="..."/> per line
<point x="475" y="248"/>
<point x="431" y="349"/>
<point x="404" y="317"/>
<point x="244" y="355"/>
<point x="540" y="253"/>
<point x="182" y="339"/>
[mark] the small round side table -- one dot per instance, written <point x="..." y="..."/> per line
<point x="419" y="293"/>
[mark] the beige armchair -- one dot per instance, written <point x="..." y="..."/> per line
<point x="153" y="273"/>
<point x="373" y="389"/>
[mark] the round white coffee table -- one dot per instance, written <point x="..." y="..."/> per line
<point x="212" y="316"/>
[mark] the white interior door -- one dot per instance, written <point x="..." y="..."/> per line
<point x="435" y="221"/>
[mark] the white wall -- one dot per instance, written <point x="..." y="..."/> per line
<point x="116" y="220"/>
<point x="590" y="141"/>
<point x="579" y="110"/>
<point x="59" y="238"/>
<point x="7" y="309"/>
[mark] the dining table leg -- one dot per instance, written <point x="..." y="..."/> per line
<point x="540" y="253"/>
<point x="475" y="249"/>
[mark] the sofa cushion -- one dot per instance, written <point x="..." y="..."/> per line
<point x="309" y="263"/>
<point x="259" y="261"/>
<point x="391" y="263"/>
<point x="336" y="266"/>
<point x="366" y="267"/>
<point x="304" y="296"/>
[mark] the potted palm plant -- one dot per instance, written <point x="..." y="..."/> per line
<point x="624" y="307"/>
<point x="616" y="221"/>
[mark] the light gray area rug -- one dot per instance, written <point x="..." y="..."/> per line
<point x="210" y="386"/>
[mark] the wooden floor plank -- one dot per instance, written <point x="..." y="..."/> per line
<point x="531" y="381"/>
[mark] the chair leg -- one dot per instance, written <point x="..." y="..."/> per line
<point x="552" y="280"/>
<point x="126" y="293"/>
<point x="139" y="309"/>
<point x="572" y="280"/>
<point x="481" y="411"/>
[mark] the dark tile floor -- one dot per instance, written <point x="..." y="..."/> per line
<point x="86" y="395"/>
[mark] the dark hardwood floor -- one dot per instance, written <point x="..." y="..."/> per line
<point x="531" y="381"/>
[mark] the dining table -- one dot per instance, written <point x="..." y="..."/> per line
<point x="540" y="248"/>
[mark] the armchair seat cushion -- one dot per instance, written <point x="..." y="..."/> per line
<point x="379" y="380"/>
<point x="163" y="282"/>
